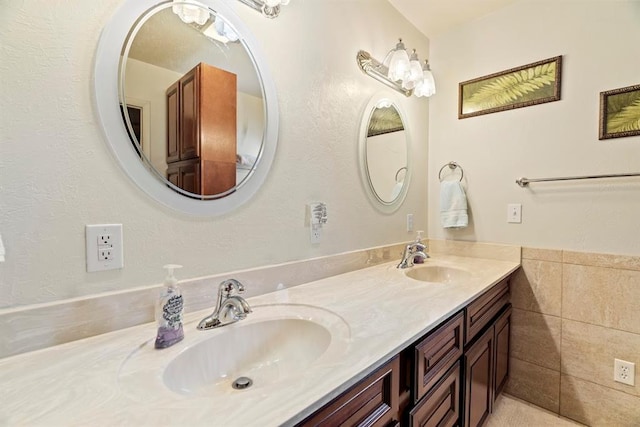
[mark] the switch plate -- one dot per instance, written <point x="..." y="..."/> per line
<point x="409" y="222"/>
<point x="104" y="249"/>
<point x="514" y="213"/>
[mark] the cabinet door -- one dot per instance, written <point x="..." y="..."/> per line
<point x="501" y="336"/>
<point x="373" y="402"/>
<point x="173" y="175"/>
<point x="478" y="380"/>
<point x="436" y="353"/>
<point x="441" y="406"/>
<point x="173" y="123"/>
<point x="189" y="125"/>
<point x="190" y="177"/>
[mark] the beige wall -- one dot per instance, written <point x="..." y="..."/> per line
<point x="598" y="40"/>
<point x="57" y="174"/>
<point x="573" y="314"/>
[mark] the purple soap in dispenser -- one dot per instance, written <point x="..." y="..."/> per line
<point x="169" y="311"/>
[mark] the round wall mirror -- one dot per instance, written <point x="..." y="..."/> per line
<point x="187" y="103"/>
<point x="384" y="153"/>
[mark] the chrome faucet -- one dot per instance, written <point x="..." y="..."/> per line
<point x="229" y="308"/>
<point x="411" y="251"/>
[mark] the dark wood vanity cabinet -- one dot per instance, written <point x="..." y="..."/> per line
<point x="201" y="130"/>
<point x="486" y="356"/>
<point x="450" y="377"/>
<point x="374" y="401"/>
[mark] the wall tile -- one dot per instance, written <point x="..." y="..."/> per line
<point x="588" y="352"/>
<point x="625" y="262"/>
<point x="539" y="254"/>
<point x="537" y="286"/>
<point x="535" y="384"/>
<point x="535" y="338"/>
<point x="601" y="296"/>
<point x="598" y="406"/>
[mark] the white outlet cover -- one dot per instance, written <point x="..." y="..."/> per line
<point x="116" y="260"/>
<point x="624" y="372"/>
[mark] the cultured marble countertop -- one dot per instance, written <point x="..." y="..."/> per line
<point x="93" y="381"/>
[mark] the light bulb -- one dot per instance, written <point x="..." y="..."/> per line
<point x="399" y="63"/>
<point x="414" y="76"/>
<point x="189" y="13"/>
<point x="427" y="86"/>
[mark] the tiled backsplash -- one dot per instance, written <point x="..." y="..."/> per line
<point x="39" y="326"/>
<point x="43" y="325"/>
<point x="573" y="314"/>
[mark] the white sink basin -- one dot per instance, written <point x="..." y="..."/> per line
<point x="265" y="352"/>
<point x="438" y="274"/>
<point x="274" y="343"/>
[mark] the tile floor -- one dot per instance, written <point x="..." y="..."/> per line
<point x="512" y="412"/>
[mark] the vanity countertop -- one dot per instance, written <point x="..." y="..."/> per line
<point x="80" y="383"/>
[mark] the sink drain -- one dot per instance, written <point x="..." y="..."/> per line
<point x="242" y="383"/>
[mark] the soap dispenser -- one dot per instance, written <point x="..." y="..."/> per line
<point x="169" y="311"/>
<point x="419" y="259"/>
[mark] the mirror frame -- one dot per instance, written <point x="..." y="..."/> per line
<point x="376" y="201"/>
<point x="107" y="100"/>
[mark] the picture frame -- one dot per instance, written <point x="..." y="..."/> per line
<point x="531" y="84"/>
<point x="620" y="112"/>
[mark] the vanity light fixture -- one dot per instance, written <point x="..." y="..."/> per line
<point x="269" y="8"/>
<point x="399" y="71"/>
<point x="190" y="12"/>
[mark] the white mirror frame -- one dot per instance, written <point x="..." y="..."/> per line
<point x="107" y="101"/>
<point x="376" y="201"/>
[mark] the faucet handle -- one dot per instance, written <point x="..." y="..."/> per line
<point x="227" y="287"/>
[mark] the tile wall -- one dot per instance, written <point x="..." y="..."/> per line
<point x="573" y="313"/>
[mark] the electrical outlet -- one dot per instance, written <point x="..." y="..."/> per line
<point x="316" y="233"/>
<point x="409" y="222"/>
<point x="105" y="254"/>
<point x="104" y="247"/>
<point x="624" y="372"/>
<point x="104" y="240"/>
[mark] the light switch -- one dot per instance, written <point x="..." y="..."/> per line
<point x="514" y="213"/>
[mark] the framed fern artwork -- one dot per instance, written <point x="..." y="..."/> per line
<point x="530" y="84"/>
<point x="620" y="112"/>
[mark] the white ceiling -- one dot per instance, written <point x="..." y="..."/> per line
<point x="433" y="17"/>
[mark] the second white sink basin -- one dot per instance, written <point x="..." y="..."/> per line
<point x="438" y="274"/>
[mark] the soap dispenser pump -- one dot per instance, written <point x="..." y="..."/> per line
<point x="169" y="311"/>
<point x="419" y="259"/>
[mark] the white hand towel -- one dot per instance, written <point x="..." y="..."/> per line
<point x="453" y="205"/>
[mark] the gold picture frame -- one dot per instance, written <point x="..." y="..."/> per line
<point x="620" y="112"/>
<point x="530" y="84"/>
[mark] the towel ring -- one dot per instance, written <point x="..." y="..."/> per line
<point x="452" y="166"/>
<point x="404" y="168"/>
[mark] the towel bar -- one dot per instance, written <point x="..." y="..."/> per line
<point x="523" y="182"/>
<point x="452" y="166"/>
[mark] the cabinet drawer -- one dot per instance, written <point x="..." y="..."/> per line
<point x="441" y="407"/>
<point x="371" y="402"/>
<point x="481" y="311"/>
<point x="436" y="353"/>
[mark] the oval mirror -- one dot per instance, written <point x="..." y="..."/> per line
<point x="384" y="153"/>
<point x="187" y="103"/>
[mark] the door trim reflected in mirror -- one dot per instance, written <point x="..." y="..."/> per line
<point x="402" y="172"/>
<point x="106" y="86"/>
